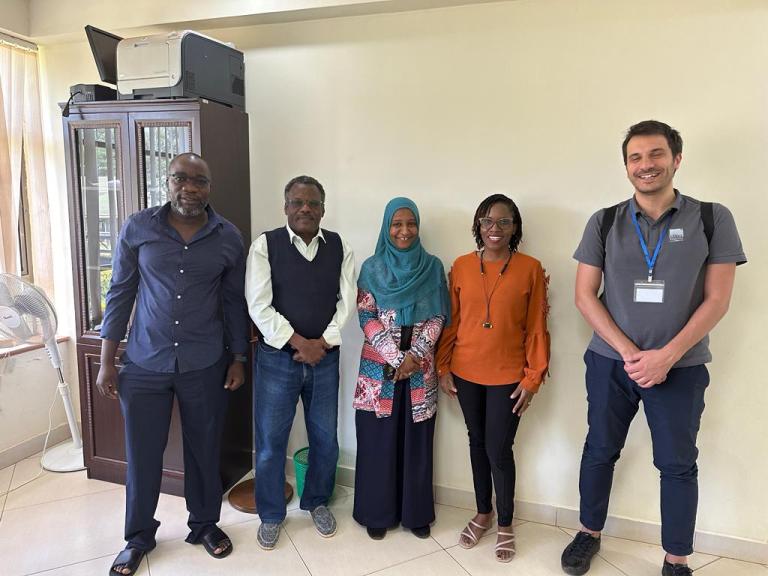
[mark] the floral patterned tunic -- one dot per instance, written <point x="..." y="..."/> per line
<point x="381" y="347"/>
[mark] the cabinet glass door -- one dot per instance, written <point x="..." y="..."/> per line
<point x="158" y="143"/>
<point x="102" y="209"/>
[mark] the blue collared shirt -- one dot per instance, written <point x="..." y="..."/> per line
<point x="190" y="304"/>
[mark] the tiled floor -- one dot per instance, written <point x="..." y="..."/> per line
<point x="67" y="525"/>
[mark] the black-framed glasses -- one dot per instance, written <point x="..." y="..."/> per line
<point x="503" y="223"/>
<point x="298" y="203"/>
<point x="181" y="178"/>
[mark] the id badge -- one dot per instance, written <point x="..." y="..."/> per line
<point x="649" y="291"/>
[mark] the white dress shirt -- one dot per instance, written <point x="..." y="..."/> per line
<point x="274" y="327"/>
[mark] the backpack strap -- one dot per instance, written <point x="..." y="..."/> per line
<point x="609" y="216"/>
<point x="708" y="220"/>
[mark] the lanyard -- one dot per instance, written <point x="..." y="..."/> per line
<point x="648" y="260"/>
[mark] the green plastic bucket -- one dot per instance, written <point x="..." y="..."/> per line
<point x="300" y="465"/>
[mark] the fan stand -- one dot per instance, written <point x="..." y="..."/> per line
<point x="68" y="456"/>
<point x="63" y="458"/>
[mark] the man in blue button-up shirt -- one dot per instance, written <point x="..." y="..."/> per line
<point x="183" y="266"/>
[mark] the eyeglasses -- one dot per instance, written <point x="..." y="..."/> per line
<point x="503" y="223"/>
<point x="181" y="178"/>
<point x="297" y="203"/>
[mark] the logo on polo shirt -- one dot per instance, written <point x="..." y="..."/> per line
<point x="676" y="235"/>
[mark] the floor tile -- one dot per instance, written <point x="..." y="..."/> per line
<point x="50" y="486"/>
<point x="177" y="557"/>
<point x="728" y="567"/>
<point x="61" y="532"/>
<point x="91" y="567"/>
<point x="538" y="554"/>
<point x="172" y="514"/>
<point x="450" y="521"/>
<point x="5" y="482"/>
<point x="436" y="564"/>
<point x="5" y="478"/>
<point x="351" y="552"/>
<point x="640" y="559"/>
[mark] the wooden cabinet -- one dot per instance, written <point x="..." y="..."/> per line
<point x="117" y="156"/>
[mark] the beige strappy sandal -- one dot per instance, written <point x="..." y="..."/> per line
<point x="473" y="535"/>
<point x="507" y="545"/>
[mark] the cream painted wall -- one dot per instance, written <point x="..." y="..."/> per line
<point x="528" y="98"/>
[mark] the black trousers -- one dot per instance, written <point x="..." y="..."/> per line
<point x="146" y="399"/>
<point x="393" y="474"/>
<point x="492" y="427"/>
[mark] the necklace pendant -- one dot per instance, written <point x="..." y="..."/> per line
<point x="487" y="325"/>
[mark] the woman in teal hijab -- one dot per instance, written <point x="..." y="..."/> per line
<point x="403" y="304"/>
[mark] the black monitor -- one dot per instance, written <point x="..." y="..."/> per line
<point x="104" y="48"/>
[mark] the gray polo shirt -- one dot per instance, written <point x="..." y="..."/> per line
<point x="681" y="264"/>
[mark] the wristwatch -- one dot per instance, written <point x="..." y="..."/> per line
<point x="240" y="358"/>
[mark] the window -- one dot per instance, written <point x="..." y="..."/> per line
<point x="25" y="236"/>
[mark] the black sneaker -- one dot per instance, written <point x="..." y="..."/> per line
<point x="376" y="533"/>
<point x="421" y="531"/>
<point x="578" y="554"/>
<point x="675" y="569"/>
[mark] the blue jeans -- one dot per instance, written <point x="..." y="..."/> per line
<point x="673" y="410"/>
<point x="279" y="382"/>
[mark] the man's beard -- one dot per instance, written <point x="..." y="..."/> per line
<point x="188" y="212"/>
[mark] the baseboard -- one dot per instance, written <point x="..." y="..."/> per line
<point x="24" y="450"/>
<point x="620" y="527"/>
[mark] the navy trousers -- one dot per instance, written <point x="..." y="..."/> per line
<point x="393" y="473"/>
<point x="146" y="399"/>
<point x="673" y="410"/>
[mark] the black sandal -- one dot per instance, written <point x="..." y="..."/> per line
<point x="129" y="558"/>
<point x="216" y="538"/>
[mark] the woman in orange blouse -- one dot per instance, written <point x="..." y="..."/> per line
<point x="494" y="356"/>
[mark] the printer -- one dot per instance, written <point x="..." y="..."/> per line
<point x="183" y="64"/>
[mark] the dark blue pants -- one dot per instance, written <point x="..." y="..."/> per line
<point x="673" y="410"/>
<point x="393" y="473"/>
<point x="146" y="399"/>
<point x="278" y="384"/>
<point x="492" y="427"/>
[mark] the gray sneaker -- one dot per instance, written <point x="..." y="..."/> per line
<point x="267" y="535"/>
<point x="324" y="521"/>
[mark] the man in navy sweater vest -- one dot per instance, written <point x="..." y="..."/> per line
<point x="300" y="287"/>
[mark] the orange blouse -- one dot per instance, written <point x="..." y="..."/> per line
<point x="516" y="347"/>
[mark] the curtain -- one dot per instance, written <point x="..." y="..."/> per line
<point x="21" y="126"/>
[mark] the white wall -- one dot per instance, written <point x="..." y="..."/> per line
<point x="528" y="98"/>
<point x="27" y="388"/>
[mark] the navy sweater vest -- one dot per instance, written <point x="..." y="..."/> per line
<point x="305" y="292"/>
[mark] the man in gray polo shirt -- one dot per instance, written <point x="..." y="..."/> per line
<point x="667" y="263"/>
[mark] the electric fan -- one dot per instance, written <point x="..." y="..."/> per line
<point x="27" y="316"/>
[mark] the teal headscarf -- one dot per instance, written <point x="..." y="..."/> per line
<point x="410" y="281"/>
